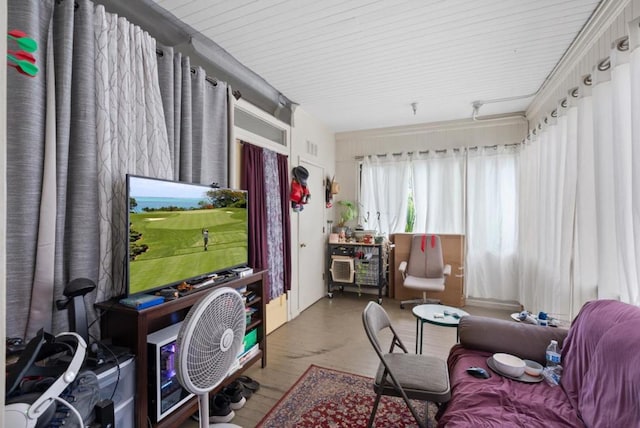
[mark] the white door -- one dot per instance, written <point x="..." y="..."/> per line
<point x="311" y="241"/>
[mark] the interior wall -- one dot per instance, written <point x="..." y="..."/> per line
<point x="314" y="142"/>
<point x="608" y="24"/>
<point x="434" y="136"/>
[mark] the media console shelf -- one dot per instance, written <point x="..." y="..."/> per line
<point x="128" y="327"/>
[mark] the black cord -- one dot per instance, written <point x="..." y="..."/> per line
<point x="115" y="358"/>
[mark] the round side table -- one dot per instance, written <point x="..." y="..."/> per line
<point x="444" y="316"/>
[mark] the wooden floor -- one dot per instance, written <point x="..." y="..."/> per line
<point x="330" y="334"/>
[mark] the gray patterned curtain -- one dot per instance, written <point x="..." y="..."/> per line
<point x="196" y="112"/>
<point x="51" y="165"/>
<point x="92" y="114"/>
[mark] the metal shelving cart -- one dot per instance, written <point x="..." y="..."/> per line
<point x="358" y="264"/>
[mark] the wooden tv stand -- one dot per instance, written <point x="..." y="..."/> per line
<point x="128" y="327"/>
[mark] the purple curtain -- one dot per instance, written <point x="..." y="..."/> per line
<point x="253" y="182"/>
<point x="283" y="179"/>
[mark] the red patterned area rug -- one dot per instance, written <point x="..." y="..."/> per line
<point x="330" y="398"/>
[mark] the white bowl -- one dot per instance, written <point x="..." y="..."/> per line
<point x="532" y="368"/>
<point x="509" y="364"/>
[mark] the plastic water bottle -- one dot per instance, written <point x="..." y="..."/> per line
<point x="553" y="356"/>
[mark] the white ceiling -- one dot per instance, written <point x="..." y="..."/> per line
<point x="359" y="64"/>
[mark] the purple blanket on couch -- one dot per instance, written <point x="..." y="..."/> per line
<point x="499" y="401"/>
<point x="600" y="384"/>
<point x="601" y="360"/>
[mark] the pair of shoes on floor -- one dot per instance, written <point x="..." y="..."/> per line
<point x="249" y="385"/>
<point x="231" y="397"/>
<point x="235" y="392"/>
<point x="220" y="410"/>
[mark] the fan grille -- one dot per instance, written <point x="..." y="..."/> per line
<point x="210" y="340"/>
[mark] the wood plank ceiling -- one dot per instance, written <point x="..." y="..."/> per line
<point x="360" y="64"/>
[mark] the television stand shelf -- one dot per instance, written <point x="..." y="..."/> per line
<point x="129" y="327"/>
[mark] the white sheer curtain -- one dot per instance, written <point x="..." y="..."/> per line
<point x="627" y="269"/>
<point x="547" y="204"/>
<point x="492" y="223"/>
<point x="438" y="191"/>
<point x="385" y="192"/>
<point x="131" y="132"/>
<point x="634" y="71"/>
<point x="585" y="272"/>
<point x="580" y="203"/>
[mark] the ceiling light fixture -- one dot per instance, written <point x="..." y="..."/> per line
<point x="414" y="107"/>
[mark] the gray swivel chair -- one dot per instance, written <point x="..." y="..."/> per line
<point x="425" y="269"/>
<point x="400" y="374"/>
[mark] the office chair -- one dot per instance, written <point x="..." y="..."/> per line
<point x="425" y="270"/>
<point x="400" y="374"/>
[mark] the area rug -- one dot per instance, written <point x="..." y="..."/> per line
<point x="330" y="398"/>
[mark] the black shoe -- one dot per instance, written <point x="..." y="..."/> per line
<point x="249" y="383"/>
<point x="234" y="391"/>
<point x="220" y="409"/>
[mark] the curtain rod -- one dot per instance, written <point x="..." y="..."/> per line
<point x="424" y="152"/>
<point x="211" y="80"/>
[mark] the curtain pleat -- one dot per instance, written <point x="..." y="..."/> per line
<point x="196" y="113"/>
<point x="76" y="253"/>
<point x="131" y="133"/>
<point x="385" y="193"/>
<point x="438" y="191"/>
<point x="492" y="223"/>
<point x="275" y="243"/>
<point x="252" y="180"/>
<point x="283" y="182"/>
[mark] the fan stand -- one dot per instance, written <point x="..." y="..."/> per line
<point x="220" y="341"/>
<point x="203" y="399"/>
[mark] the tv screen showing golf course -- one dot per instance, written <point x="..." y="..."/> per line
<point x="181" y="231"/>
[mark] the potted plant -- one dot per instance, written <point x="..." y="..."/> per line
<point x="347" y="214"/>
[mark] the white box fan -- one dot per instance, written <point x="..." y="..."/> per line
<point x="342" y="269"/>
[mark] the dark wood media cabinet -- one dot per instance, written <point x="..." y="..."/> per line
<point x="129" y="327"/>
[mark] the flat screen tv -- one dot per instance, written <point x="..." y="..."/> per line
<point x="182" y="232"/>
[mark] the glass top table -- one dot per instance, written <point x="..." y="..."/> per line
<point x="445" y="316"/>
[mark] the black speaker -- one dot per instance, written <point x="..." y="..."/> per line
<point x="105" y="415"/>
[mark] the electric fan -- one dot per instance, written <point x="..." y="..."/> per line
<point x="208" y="344"/>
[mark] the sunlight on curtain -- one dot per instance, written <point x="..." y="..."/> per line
<point x="579" y="187"/>
<point x="627" y="287"/>
<point x="492" y="223"/>
<point x="385" y="191"/>
<point x="438" y="191"/>
<point x="547" y="204"/>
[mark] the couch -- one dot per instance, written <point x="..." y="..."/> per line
<point x="600" y="384"/>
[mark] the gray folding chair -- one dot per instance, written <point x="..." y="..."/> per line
<point x="400" y="374"/>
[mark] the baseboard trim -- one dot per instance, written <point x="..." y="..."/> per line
<point x="494" y="304"/>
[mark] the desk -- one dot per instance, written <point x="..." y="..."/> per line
<point x="426" y="313"/>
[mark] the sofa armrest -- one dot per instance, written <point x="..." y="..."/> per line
<point x="494" y="335"/>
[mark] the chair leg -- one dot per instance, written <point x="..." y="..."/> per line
<point x="375" y="409"/>
<point x="415" y="414"/>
